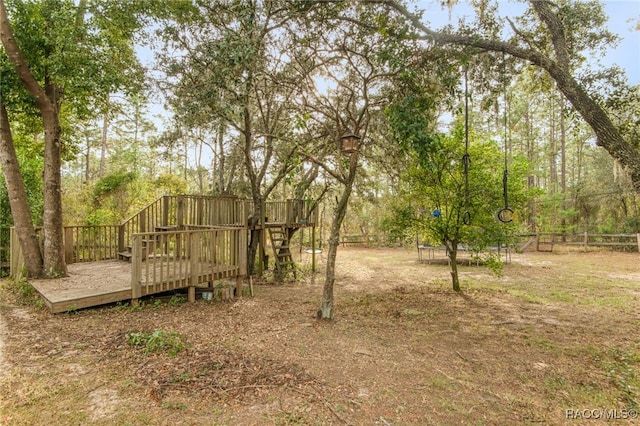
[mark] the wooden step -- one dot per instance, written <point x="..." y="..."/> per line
<point x="125" y="255"/>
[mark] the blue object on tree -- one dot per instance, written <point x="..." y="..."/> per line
<point x="436" y="213"/>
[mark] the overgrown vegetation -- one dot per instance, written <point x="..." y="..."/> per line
<point x="157" y="341"/>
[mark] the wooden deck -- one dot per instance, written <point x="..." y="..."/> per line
<point x="92" y="284"/>
<point x="88" y="284"/>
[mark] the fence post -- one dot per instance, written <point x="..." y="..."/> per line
<point x="586" y="240"/>
<point x="638" y="238"/>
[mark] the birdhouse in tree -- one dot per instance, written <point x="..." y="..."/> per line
<point x="349" y="143"/>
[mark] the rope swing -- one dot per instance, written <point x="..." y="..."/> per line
<point x="505" y="214"/>
<point x="466" y="159"/>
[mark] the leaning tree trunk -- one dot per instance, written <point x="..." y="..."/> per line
<point x="326" y="307"/>
<point x="18" y="198"/>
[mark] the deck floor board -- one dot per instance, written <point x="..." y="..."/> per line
<point x="88" y="284"/>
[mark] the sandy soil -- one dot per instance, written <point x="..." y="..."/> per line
<point x="555" y="332"/>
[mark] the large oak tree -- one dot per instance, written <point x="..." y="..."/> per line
<point x="552" y="36"/>
<point x="68" y="54"/>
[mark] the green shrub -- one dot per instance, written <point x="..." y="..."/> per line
<point x="157" y="341"/>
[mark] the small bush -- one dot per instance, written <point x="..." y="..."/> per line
<point x="157" y="341"/>
<point x="494" y="264"/>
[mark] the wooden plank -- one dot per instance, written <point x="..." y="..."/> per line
<point x="88" y="284"/>
<point x="87" y="302"/>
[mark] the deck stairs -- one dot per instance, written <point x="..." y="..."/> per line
<point x="148" y="246"/>
<point x="284" y="264"/>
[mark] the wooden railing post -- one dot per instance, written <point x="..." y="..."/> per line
<point x="638" y="239"/>
<point x="136" y="269"/>
<point x="165" y="210"/>
<point x="68" y="245"/>
<point x="16" y="257"/>
<point x="288" y="213"/>
<point x="241" y="258"/>
<point x="142" y="222"/>
<point x="194" y="268"/>
<point x="180" y="212"/>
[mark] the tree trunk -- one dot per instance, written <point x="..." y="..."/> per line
<point x="326" y="308"/>
<point x="87" y="169"/>
<point x="103" y="145"/>
<point x="453" y="258"/>
<point x="54" y="263"/>
<point x="18" y="198"/>
<point x="47" y="101"/>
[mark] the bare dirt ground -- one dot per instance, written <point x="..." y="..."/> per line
<point x="554" y="338"/>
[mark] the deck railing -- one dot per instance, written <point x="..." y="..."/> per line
<point x="165" y="261"/>
<point x="86" y="243"/>
<point x="175" y="212"/>
<point x="290" y="213"/>
<point x="90" y="243"/>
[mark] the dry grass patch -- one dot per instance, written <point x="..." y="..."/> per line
<point x="554" y="332"/>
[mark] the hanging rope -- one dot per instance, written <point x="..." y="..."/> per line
<point x="466" y="159"/>
<point x="505" y="214"/>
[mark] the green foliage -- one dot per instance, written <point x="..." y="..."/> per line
<point x="112" y="183"/>
<point x="494" y="264"/>
<point x="160" y="340"/>
<point x="177" y="300"/>
<point x="30" y="160"/>
<point x="435" y="181"/>
<point x="170" y="184"/>
<point x="411" y="120"/>
<point x="24" y="292"/>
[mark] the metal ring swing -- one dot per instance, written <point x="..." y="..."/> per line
<point x="505" y="214"/>
<point x="466" y="158"/>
